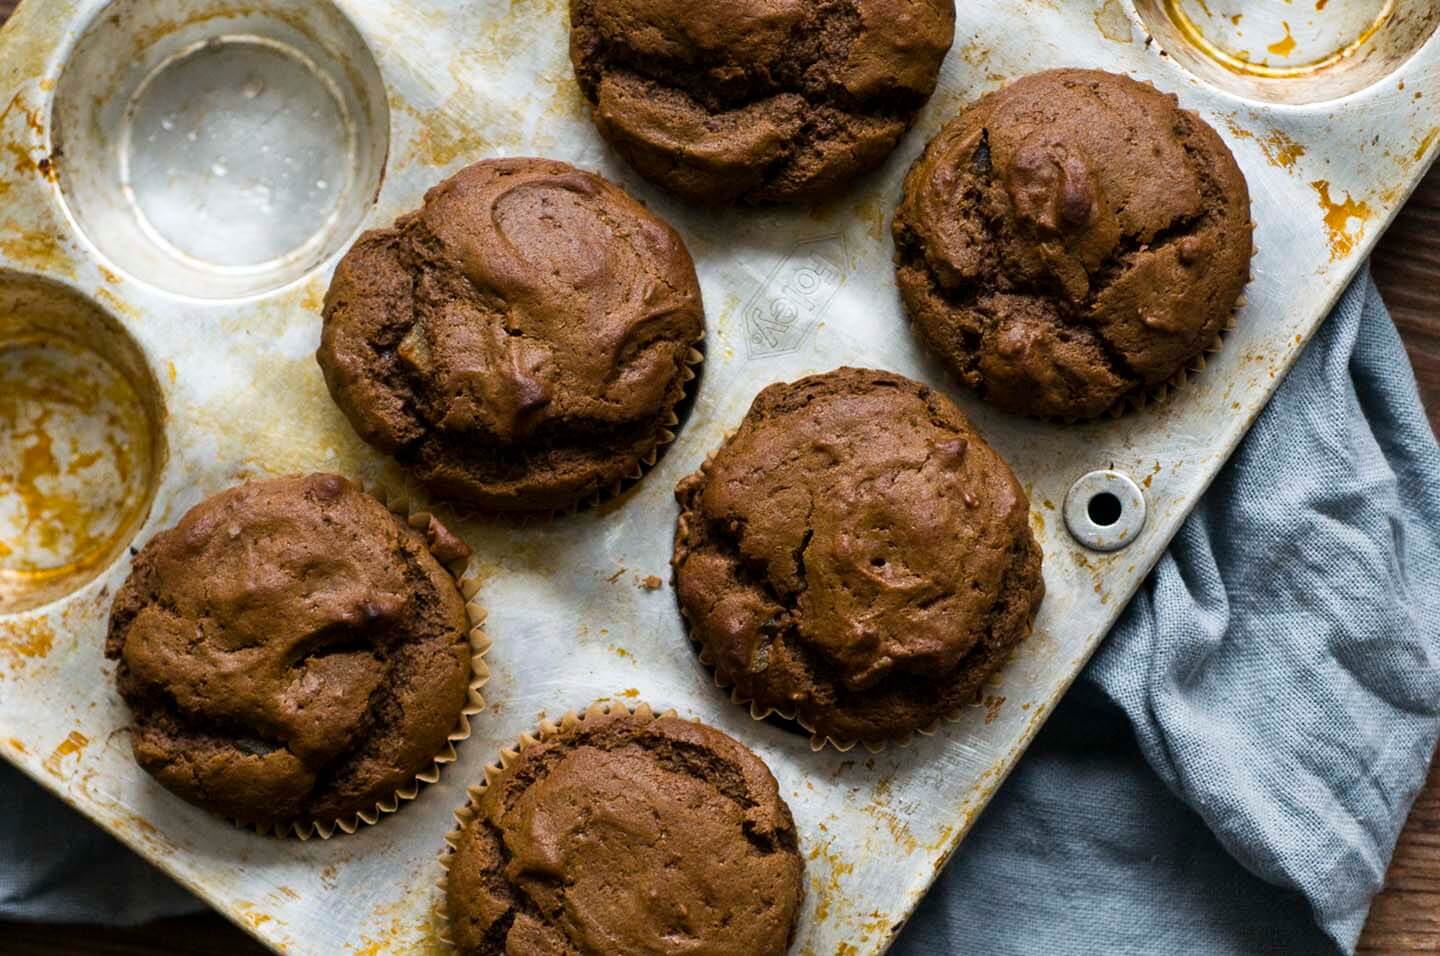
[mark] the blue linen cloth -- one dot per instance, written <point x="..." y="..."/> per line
<point x="1231" y="771"/>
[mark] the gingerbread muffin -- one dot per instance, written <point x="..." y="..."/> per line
<point x="855" y="555"/>
<point x="757" y="100"/>
<point x="291" y="652"/>
<point x="1071" y="242"/>
<point x="519" y="343"/>
<point x="625" y="833"/>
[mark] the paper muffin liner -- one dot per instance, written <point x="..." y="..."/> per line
<point x="1156" y="395"/>
<point x="547" y="730"/>
<point x="693" y="360"/>
<point x="404" y="504"/>
<point x="666" y="436"/>
<point x="763" y="712"/>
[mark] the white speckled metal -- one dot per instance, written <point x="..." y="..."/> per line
<point x="202" y="263"/>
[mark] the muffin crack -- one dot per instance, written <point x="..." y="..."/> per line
<point x="719" y="85"/>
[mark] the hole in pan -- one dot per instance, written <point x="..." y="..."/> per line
<point x="220" y="152"/>
<point x="1105" y="509"/>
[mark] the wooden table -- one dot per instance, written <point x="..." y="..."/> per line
<point x="1405" y="920"/>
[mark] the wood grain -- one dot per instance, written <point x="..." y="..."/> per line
<point x="1405" y="920"/>
<point x="1407" y="269"/>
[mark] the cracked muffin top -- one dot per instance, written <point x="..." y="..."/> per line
<point x="757" y="100"/>
<point x="520" y="342"/>
<point x="631" y="834"/>
<point x="1071" y="241"/>
<point x="291" y="651"/>
<point x="857" y="555"/>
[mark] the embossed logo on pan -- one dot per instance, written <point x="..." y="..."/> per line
<point x="791" y="302"/>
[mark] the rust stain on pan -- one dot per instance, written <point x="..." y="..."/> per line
<point x="1426" y="143"/>
<point x="1113" y="23"/>
<point x="1280" y="150"/>
<point x="39" y="251"/>
<point x="25" y="640"/>
<point x="1338" y="217"/>
<point x="71" y="746"/>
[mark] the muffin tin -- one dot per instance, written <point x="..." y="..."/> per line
<point x="178" y="180"/>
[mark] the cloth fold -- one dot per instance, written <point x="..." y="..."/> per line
<point x="1233" y="768"/>
<point x="1229" y="774"/>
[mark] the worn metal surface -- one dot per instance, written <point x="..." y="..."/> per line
<point x="222" y="317"/>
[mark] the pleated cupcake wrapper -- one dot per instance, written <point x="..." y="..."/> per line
<point x="693" y="359"/>
<point x="667" y="435"/>
<point x="547" y="730"/>
<point x="763" y="712"/>
<point x="404" y="504"/>
<point x="1159" y="394"/>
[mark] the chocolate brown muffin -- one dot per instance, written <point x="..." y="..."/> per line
<point x="757" y="100"/>
<point x="856" y="555"/>
<point x="520" y="342"/>
<point x="291" y="652"/>
<point x="1072" y="240"/>
<point x="626" y="833"/>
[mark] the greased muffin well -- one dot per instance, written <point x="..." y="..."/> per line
<point x="856" y="555"/>
<point x="757" y="100"/>
<point x="626" y="833"/>
<point x="1072" y="241"/>
<point x="519" y="343"/>
<point x="291" y="651"/>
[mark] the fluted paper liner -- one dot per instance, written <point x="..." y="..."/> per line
<point x="693" y="359"/>
<point x="404" y="505"/>
<point x="1161" y="393"/>
<point x="547" y="730"/>
<point x="666" y="436"/>
<point x="762" y="712"/>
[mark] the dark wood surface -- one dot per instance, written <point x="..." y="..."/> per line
<point x="1405" y="920"/>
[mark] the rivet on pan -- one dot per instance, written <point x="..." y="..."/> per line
<point x="1105" y="511"/>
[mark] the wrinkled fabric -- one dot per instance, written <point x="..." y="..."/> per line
<point x="1231" y="771"/>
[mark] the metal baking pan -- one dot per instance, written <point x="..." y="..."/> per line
<point x="177" y="180"/>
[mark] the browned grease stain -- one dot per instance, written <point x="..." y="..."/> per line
<point x="18" y="746"/>
<point x="1112" y="22"/>
<point x="388" y="941"/>
<point x="993" y="704"/>
<point x="35" y="250"/>
<point x="1280" y="150"/>
<point x="56" y="516"/>
<point x="69" y="747"/>
<point x="1286" y="44"/>
<point x="252" y="915"/>
<point x="1426" y="143"/>
<point x="632" y="693"/>
<point x="828" y="891"/>
<point x="25" y="640"/>
<point x="117" y="303"/>
<point x="25" y="163"/>
<point x="314" y="300"/>
<point x="1338" y="216"/>
<point x="441" y="140"/>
